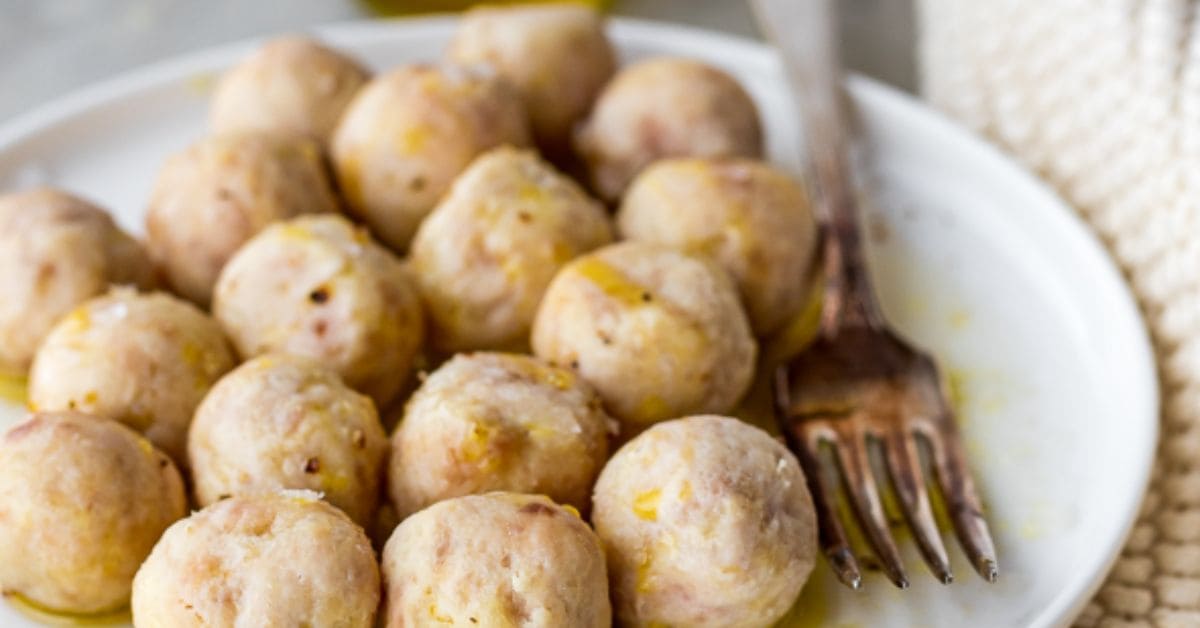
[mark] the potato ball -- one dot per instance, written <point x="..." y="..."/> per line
<point x="707" y="521"/>
<point x="408" y="134"/>
<point x="485" y="255"/>
<point x="665" y="108"/>
<point x="658" y="332"/>
<point x="318" y="286"/>
<point x="56" y="251"/>
<point x="494" y="421"/>
<point x="752" y="218"/>
<point x="275" y="559"/>
<point x="145" y="360"/>
<point x="82" y="501"/>
<point x="500" y="559"/>
<point x="212" y="197"/>
<point x="291" y="84"/>
<point x="280" y="422"/>
<point x="557" y="56"/>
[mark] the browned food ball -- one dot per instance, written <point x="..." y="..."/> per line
<point x="500" y="559"/>
<point x="211" y="198"/>
<point x="291" y="84"/>
<point x="658" y="332"/>
<point x="277" y="559"/>
<point x="407" y="135"/>
<point x="665" y="108"/>
<point x="279" y="422"/>
<point x="145" y="360"/>
<point x="319" y="286"/>
<point x="56" y="251"/>
<point x="706" y="521"/>
<point x="82" y="502"/>
<point x="750" y="217"/>
<point x="557" y="56"/>
<point x="494" y="421"/>
<point x="483" y="258"/>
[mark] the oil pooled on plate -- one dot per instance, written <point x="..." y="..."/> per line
<point x="120" y="617"/>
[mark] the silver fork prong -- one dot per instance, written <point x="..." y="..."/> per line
<point x="961" y="499"/>
<point x="859" y="480"/>
<point x="856" y="363"/>
<point x="908" y="481"/>
<point x="832" y="536"/>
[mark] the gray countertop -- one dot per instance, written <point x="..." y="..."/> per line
<point x="48" y="48"/>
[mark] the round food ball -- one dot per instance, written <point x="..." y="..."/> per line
<point x="752" y="218"/>
<point x="483" y="258"/>
<point x="665" y="108"/>
<point x="409" y="133"/>
<point x="707" y="521"/>
<point x="145" y="360"/>
<point x="291" y="84"/>
<point x="500" y="559"/>
<point x="658" y="332"/>
<point x="82" y="501"/>
<point x="56" y="251"/>
<point x="274" y="559"/>
<point x="494" y="421"/>
<point x="318" y="286"/>
<point x="557" y="56"/>
<point x="286" y="422"/>
<point x="211" y="198"/>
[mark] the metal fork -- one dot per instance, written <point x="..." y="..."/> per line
<point x="859" y="389"/>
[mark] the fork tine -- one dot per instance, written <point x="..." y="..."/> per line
<point x="859" y="481"/>
<point x="832" y="536"/>
<point x="962" y="500"/>
<point x="904" y="467"/>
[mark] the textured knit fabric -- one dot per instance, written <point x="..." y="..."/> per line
<point x="1102" y="99"/>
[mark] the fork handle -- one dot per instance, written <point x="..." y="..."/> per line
<point x="810" y="58"/>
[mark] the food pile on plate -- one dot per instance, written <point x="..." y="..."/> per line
<point x="433" y="244"/>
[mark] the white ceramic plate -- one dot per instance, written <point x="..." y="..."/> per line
<point x="974" y="259"/>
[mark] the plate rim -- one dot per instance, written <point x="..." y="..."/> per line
<point x="1071" y="600"/>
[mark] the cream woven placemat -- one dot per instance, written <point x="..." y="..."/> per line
<point x="1102" y="98"/>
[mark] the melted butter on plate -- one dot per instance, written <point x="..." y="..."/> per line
<point x="13" y="389"/>
<point x="119" y="617"/>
